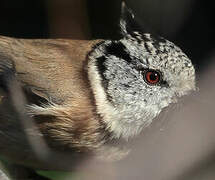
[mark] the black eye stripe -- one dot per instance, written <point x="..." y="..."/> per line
<point x="119" y="50"/>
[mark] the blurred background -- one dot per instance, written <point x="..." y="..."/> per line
<point x="185" y="149"/>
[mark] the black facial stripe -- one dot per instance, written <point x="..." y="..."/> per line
<point x="100" y="63"/>
<point x="119" y="50"/>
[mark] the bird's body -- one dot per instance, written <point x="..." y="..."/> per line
<point x="86" y="96"/>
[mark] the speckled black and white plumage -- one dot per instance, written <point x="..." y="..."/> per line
<point x="124" y="100"/>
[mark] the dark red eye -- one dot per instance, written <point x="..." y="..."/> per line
<point x="152" y="77"/>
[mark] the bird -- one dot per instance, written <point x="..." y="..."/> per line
<point x="86" y="96"/>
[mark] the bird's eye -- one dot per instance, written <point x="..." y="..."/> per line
<point x="152" y="77"/>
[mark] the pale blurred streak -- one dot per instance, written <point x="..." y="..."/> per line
<point x="35" y="138"/>
<point x="3" y="176"/>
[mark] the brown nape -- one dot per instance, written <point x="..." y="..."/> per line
<point x="52" y="69"/>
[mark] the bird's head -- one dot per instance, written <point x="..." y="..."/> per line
<point x="134" y="78"/>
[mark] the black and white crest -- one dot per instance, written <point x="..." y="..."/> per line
<point x="130" y="24"/>
<point x="132" y="28"/>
